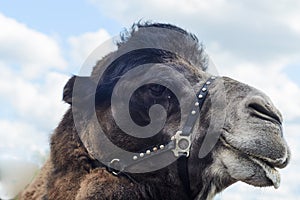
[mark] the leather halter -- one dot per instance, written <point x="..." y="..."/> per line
<point x="180" y="144"/>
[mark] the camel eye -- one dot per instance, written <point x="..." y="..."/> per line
<point x="156" y="89"/>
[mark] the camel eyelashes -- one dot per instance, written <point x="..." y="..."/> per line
<point x="103" y="91"/>
<point x="156" y="90"/>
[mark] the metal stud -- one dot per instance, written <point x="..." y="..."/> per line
<point x="213" y="77"/>
<point x="134" y="157"/>
<point x="169" y="97"/>
<point x="197" y="104"/>
<point x="200" y="96"/>
<point x="154" y="148"/>
<point x="204" y="89"/>
<point x="148" y="152"/>
<point x="193" y="112"/>
<point x="142" y="155"/>
<point x="162" y="146"/>
<point x="208" y="83"/>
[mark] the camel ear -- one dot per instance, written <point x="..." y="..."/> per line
<point x="86" y="85"/>
<point x="68" y="90"/>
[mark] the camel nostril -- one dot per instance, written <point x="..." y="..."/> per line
<point x="283" y="164"/>
<point x="264" y="110"/>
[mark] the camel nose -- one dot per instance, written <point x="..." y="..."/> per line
<point x="264" y="109"/>
<point x="261" y="107"/>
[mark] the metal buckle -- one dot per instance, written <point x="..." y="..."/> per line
<point x="112" y="169"/>
<point x="182" y="144"/>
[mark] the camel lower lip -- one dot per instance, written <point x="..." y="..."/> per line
<point x="271" y="173"/>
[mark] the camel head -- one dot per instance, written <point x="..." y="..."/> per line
<point x="146" y="91"/>
<point x="251" y="146"/>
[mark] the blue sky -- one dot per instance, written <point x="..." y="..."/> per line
<point x="293" y="72"/>
<point x="42" y="43"/>
<point x="59" y="17"/>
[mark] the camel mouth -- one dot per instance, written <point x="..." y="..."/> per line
<point x="271" y="173"/>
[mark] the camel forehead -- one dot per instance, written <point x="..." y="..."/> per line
<point x="167" y="38"/>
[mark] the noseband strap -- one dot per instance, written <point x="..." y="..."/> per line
<point x="183" y="137"/>
<point x="182" y="161"/>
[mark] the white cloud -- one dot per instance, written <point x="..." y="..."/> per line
<point x="35" y="102"/>
<point x="20" y="139"/>
<point x="268" y="77"/>
<point x="33" y="52"/>
<point x="25" y="138"/>
<point x="23" y="149"/>
<point x="15" y="175"/>
<point x="31" y="85"/>
<point x="83" y="45"/>
<point x="253" y="30"/>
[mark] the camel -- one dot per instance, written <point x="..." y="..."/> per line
<point x="212" y="131"/>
